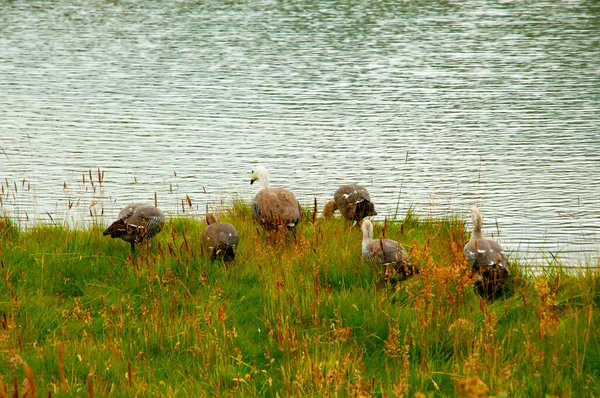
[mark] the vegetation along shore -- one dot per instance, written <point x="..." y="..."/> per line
<point x="81" y="314"/>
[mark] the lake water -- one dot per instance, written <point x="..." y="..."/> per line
<point x="431" y="104"/>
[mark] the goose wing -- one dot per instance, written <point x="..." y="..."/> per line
<point x="351" y="193"/>
<point x="276" y="206"/>
<point x="387" y="251"/>
<point x="484" y="252"/>
<point x="119" y="227"/>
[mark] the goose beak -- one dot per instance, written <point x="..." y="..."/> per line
<point x="252" y="182"/>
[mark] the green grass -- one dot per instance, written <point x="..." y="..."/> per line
<point x="288" y="318"/>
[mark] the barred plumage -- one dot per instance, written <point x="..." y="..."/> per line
<point x="220" y="238"/>
<point x="388" y="253"/>
<point x="136" y="223"/>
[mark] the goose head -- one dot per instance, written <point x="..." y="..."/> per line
<point x="260" y="173"/>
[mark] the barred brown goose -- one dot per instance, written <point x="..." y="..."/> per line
<point x="220" y="238"/>
<point x="486" y="259"/>
<point x="386" y="252"/>
<point x="136" y="223"/>
<point x="274" y="208"/>
<point x="353" y="202"/>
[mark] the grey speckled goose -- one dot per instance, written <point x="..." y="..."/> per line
<point x="353" y="201"/>
<point x="388" y="252"/>
<point x="220" y="238"/>
<point x="486" y="259"/>
<point x="274" y="208"/>
<point x="136" y="223"/>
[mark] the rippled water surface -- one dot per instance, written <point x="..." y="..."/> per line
<point x="431" y="104"/>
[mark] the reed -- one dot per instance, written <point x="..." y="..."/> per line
<point x="304" y="317"/>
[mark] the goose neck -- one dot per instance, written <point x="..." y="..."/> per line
<point x="263" y="181"/>
<point x="367" y="233"/>
<point x="476" y="234"/>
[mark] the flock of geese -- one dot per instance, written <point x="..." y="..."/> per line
<point x="277" y="209"/>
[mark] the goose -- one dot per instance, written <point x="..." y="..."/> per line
<point x="274" y="208"/>
<point x="387" y="252"/>
<point x="486" y="259"/>
<point x="220" y="238"/>
<point x="353" y="201"/>
<point x="136" y="222"/>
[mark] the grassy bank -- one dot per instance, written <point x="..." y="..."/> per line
<point x="80" y="315"/>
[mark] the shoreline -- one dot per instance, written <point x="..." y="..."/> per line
<point x="545" y="260"/>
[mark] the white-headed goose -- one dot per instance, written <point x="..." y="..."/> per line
<point x="387" y="252"/>
<point x="220" y="238"/>
<point x="274" y="208"/>
<point x="486" y="259"/>
<point x="136" y="223"/>
<point x="353" y="201"/>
